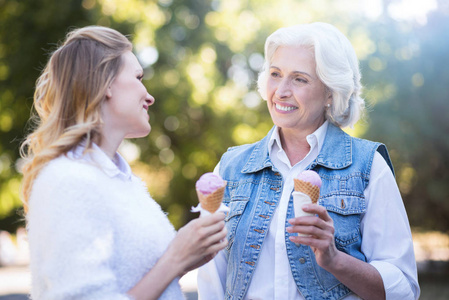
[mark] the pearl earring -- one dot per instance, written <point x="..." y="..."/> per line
<point x="328" y="105"/>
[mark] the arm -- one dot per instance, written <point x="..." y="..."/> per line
<point x="212" y="276"/>
<point x="387" y="242"/>
<point x="360" y="277"/>
<point x="195" y="244"/>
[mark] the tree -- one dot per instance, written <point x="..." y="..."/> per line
<point x="410" y="112"/>
<point x="29" y="31"/>
<point x="201" y="62"/>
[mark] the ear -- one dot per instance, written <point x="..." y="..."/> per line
<point x="109" y="92"/>
<point x="330" y="98"/>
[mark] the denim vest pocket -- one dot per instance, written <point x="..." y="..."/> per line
<point x="236" y="206"/>
<point x="346" y="209"/>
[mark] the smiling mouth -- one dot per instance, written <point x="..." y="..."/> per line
<point x="285" y="108"/>
<point x="145" y="107"/>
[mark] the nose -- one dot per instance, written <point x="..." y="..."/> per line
<point x="283" y="89"/>
<point x="149" y="99"/>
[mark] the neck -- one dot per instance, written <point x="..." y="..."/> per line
<point x="109" y="144"/>
<point x="294" y="142"/>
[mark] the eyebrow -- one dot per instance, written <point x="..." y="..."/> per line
<point x="295" y="72"/>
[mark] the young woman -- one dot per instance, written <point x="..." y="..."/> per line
<point x="93" y="229"/>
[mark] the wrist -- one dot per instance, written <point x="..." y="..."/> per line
<point x="171" y="264"/>
<point x="337" y="263"/>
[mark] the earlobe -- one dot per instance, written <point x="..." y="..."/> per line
<point x="108" y="93"/>
<point x="330" y="100"/>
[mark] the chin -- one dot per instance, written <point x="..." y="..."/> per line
<point x="140" y="134"/>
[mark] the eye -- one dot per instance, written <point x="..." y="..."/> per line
<point x="275" y="74"/>
<point x="300" y="80"/>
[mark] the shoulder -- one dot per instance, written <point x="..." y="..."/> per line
<point x="64" y="179"/>
<point x="238" y="150"/>
<point x="238" y="155"/>
<point x="380" y="167"/>
<point x="376" y="151"/>
<point x="364" y="143"/>
<point x="64" y="168"/>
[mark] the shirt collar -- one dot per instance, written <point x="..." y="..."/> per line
<point x="335" y="151"/>
<point x="315" y="139"/>
<point x="111" y="167"/>
<point x="260" y="158"/>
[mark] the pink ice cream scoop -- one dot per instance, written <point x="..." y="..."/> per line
<point x="209" y="183"/>
<point x="310" y="176"/>
<point x="308" y="182"/>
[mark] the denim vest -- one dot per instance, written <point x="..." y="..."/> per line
<point x="254" y="189"/>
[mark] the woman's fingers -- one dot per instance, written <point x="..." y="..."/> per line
<point x="216" y="237"/>
<point x="319" y="229"/>
<point x="317" y="210"/>
<point x="319" y="233"/>
<point x="217" y="246"/>
<point x="308" y="240"/>
<point x="323" y="221"/>
<point x="209" y="230"/>
<point x="211" y="219"/>
<point x="198" y="242"/>
<point x="306" y="223"/>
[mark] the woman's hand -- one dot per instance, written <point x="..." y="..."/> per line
<point x="319" y="231"/>
<point x="198" y="242"/>
<point x="195" y="244"/>
<point x="360" y="277"/>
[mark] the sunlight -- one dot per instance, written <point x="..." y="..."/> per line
<point x="148" y="56"/>
<point x="411" y="9"/>
<point x="371" y="8"/>
<point x="401" y="10"/>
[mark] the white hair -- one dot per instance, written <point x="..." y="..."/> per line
<point x="337" y="67"/>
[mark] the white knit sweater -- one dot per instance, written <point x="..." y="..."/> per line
<point x="93" y="229"/>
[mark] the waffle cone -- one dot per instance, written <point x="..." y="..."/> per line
<point x="212" y="201"/>
<point x="307" y="188"/>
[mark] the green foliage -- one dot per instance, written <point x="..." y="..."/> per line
<point x="29" y="31"/>
<point x="203" y="81"/>
<point x="410" y="115"/>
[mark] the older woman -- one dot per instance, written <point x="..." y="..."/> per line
<point x="358" y="243"/>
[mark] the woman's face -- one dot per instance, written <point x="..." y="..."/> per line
<point x="125" y="111"/>
<point x="296" y="98"/>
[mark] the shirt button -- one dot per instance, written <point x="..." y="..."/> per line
<point x="302" y="260"/>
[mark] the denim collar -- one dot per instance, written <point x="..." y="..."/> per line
<point x="336" y="152"/>
<point x="259" y="158"/>
<point x="337" y="149"/>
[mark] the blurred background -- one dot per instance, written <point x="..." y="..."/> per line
<point x="201" y="60"/>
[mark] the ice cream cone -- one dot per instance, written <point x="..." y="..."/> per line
<point x="212" y="201"/>
<point x="307" y="188"/>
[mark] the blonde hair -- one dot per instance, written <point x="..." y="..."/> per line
<point x="68" y="97"/>
<point x="337" y="67"/>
